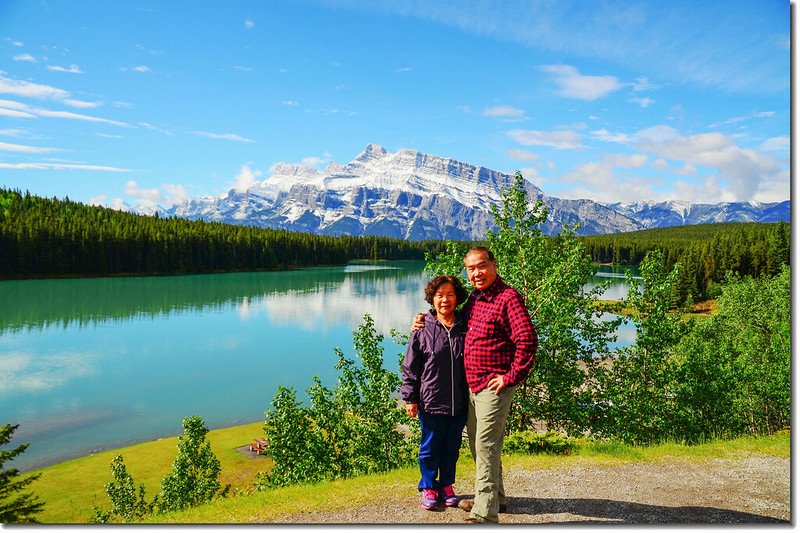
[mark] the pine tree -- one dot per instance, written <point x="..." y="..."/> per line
<point x="16" y="506"/>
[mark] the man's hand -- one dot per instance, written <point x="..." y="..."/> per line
<point x="411" y="410"/>
<point x="496" y="384"/>
<point x="418" y="322"/>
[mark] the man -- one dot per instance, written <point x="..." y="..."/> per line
<point x="499" y="352"/>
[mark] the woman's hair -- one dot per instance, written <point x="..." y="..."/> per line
<point x="438" y="281"/>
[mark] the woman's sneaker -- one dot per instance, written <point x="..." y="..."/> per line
<point x="449" y="496"/>
<point x="430" y="499"/>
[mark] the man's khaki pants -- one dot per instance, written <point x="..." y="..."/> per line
<point x="486" y="426"/>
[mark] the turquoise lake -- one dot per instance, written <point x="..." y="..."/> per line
<point x="95" y="364"/>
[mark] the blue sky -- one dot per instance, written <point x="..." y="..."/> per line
<point x="150" y="102"/>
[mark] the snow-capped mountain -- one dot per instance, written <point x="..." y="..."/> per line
<point x="415" y="196"/>
<point x="407" y="194"/>
<point x="663" y="214"/>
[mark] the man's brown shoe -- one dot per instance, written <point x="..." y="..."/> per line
<point x="466" y="505"/>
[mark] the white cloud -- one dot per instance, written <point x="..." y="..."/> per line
<point x="14" y="132"/>
<point x="175" y="193"/>
<point x="745" y="171"/>
<point x="99" y="200"/>
<point x="141" y="68"/>
<point x="20" y="148"/>
<point x="605" y="135"/>
<point x="561" y="140"/>
<point x="736" y="120"/>
<point x="600" y="182"/>
<point x="24" y="57"/>
<point x="81" y="104"/>
<point x="14" y="113"/>
<point x="503" y="111"/>
<point x="644" y="103"/>
<point x="31" y="90"/>
<point x="61" y="166"/>
<point x="152" y="127"/>
<point x="245" y="178"/>
<point x="776" y="144"/>
<point x="10" y="108"/>
<point x="573" y="84"/>
<point x="249" y="24"/>
<point x="223" y="136"/>
<point x="147" y="196"/>
<point x="643" y="84"/>
<point x="72" y="69"/>
<point x="403" y="69"/>
<point x="657" y="134"/>
<point x="75" y="116"/>
<point x="522" y="155"/>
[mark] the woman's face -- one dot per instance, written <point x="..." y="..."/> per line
<point x="445" y="300"/>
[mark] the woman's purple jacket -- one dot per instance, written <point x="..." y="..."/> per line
<point x="433" y="368"/>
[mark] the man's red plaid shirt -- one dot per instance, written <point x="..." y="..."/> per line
<point x="501" y="338"/>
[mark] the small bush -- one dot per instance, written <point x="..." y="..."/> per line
<point x="529" y="442"/>
<point x="349" y="431"/>
<point x="194" y="479"/>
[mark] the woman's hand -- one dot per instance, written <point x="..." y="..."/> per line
<point x="411" y="410"/>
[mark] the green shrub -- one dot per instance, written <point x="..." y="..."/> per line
<point x="194" y="479"/>
<point x="530" y="442"/>
<point x="349" y="431"/>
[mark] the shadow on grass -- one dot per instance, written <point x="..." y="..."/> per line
<point x="586" y="510"/>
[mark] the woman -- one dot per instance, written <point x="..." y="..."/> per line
<point x="435" y="389"/>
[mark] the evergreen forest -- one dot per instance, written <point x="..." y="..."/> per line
<point x="50" y="237"/>
<point x="707" y="253"/>
<point x="43" y="237"/>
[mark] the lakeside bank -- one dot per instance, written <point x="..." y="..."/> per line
<point x="71" y="489"/>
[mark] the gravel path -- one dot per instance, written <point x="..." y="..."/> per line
<point x="755" y="490"/>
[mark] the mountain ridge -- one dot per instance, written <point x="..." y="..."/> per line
<point x="413" y="195"/>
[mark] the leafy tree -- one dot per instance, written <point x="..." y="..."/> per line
<point x="294" y="443"/>
<point x="16" y="506"/>
<point x="733" y="369"/>
<point x="194" y="478"/>
<point x="705" y="385"/>
<point x="126" y="503"/>
<point x="550" y="273"/>
<point x="349" y="431"/>
<point x="638" y="390"/>
<point x="754" y="324"/>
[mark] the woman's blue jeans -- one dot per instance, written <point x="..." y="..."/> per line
<point x="439" y="447"/>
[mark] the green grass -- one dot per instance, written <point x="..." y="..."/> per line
<point x="71" y="489"/>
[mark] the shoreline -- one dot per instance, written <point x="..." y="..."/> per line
<point x="43" y="465"/>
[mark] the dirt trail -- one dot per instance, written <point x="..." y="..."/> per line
<point x="755" y="490"/>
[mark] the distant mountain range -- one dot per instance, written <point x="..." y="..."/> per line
<point x="413" y="195"/>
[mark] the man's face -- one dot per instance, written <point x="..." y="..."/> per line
<point x="480" y="270"/>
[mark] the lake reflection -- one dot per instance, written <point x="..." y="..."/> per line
<point x="91" y="364"/>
